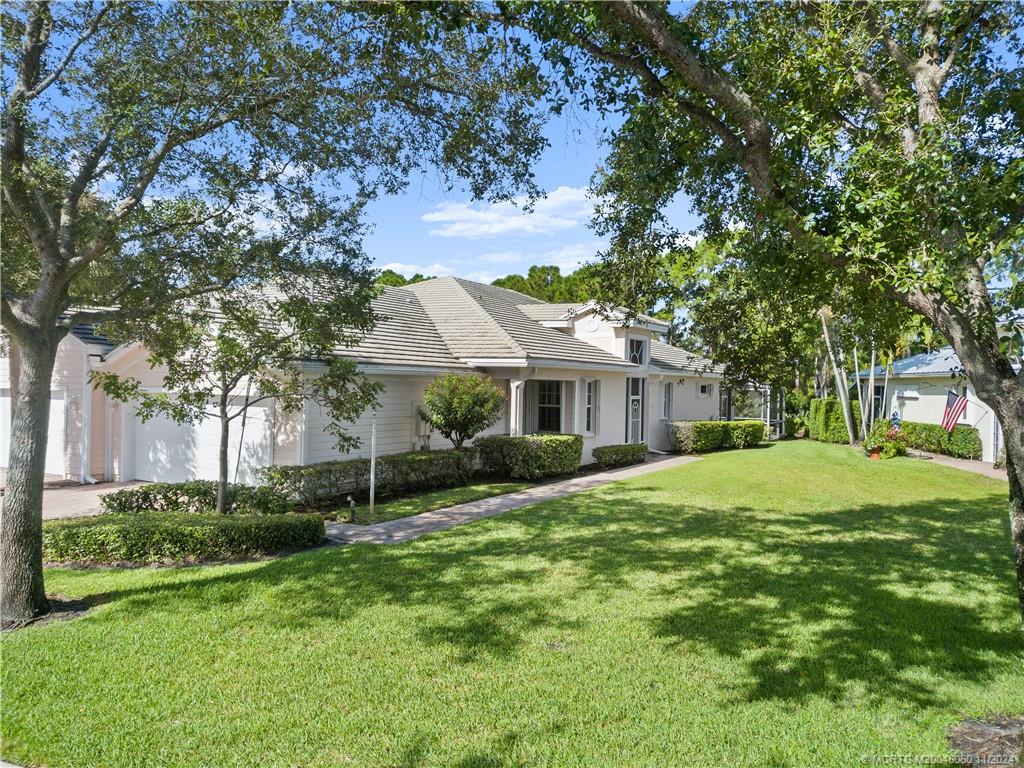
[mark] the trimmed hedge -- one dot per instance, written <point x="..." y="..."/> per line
<point x="825" y="420"/>
<point x="179" y="537"/>
<point x="610" y="456"/>
<point x="964" y="443"/>
<point x="703" y="436"/>
<point x="194" y="497"/>
<point x="397" y="474"/>
<point x="530" y="457"/>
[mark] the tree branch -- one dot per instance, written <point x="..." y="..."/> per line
<point x="89" y="31"/>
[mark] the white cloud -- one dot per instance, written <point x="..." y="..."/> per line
<point x="563" y="208"/>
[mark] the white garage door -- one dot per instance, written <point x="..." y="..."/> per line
<point x="55" y="438"/>
<point x="168" y="452"/>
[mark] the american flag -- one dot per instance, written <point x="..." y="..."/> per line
<point x="955" y="407"/>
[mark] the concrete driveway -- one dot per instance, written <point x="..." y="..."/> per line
<point x="77" y="500"/>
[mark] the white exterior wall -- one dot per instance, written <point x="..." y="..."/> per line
<point x="398" y="423"/>
<point x="687" y="405"/>
<point x="923" y="399"/>
<point x="69" y="410"/>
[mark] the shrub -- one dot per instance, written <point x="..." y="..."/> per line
<point x="825" y="420"/>
<point x="194" y="497"/>
<point x="396" y="474"/>
<point x="1000" y="462"/>
<point x="742" y="434"/>
<point x="610" y="456"/>
<point x="887" y="442"/>
<point x="181" y="537"/>
<point x="794" y="427"/>
<point x="530" y="457"/>
<point x="462" y="406"/>
<point x="704" y="436"/>
<point x="964" y="443"/>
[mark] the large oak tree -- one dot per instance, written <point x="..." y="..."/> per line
<point x="137" y="135"/>
<point x="882" y="139"/>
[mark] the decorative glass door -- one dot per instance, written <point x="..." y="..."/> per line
<point x="635" y="411"/>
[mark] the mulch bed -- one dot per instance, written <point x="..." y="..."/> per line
<point x="994" y="741"/>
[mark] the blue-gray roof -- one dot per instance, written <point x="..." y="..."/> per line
<point x="98" y="343"/>
<point x="941" y="362"/>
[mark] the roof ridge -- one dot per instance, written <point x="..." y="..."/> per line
<point x="478" y="311"/>
<point x="490" y="318"/>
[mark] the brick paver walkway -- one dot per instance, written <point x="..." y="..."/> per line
<point x="406" y="528"/>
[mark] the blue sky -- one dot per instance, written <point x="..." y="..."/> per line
<point x="436" y="232"/>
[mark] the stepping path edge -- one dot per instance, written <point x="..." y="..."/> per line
<point x="409" y="528"/>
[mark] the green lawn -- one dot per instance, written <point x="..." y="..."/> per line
<point x="428" y="502"/>
<point x="794" y="605"/>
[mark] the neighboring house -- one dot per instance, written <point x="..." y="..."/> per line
<point x="564" y="368"/>
<point x="918" y="388"/>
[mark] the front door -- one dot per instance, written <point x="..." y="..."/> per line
<point x="635" y="411"/>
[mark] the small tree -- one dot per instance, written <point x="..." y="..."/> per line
<point x="461" y="407"/>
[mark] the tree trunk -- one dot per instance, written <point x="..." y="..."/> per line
<point x="871" y="392"/>
<point x="840" y="376"/>
<point x="1014" y="470"/>
<point x="222" y="464"/>
<point x="997" y="385"/>
<point x="22" y="595"/>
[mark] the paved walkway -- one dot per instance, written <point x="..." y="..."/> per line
<point x="406" y="528"/>
<point x="77" y="500"/>
<point x="968" y="465"/>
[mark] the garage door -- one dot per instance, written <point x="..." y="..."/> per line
<point x="168" y="452"/>
<point x="55" y="439"/>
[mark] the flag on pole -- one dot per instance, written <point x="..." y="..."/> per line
<point x="955" y="407"/>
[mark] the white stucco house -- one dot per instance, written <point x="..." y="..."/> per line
<point x="917" y="391"/>
<point x="564" y="368"/>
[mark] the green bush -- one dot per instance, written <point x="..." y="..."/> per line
<point x="194" y="497"/>
<point x="743" y="433"/>
<point x="396" y="475"/>
<point x="179" y="537"/>
<point x="964" y="443"/>
<point x="887" y="442"/>
<point x="825" y="420"/>
<point x="704" y="436"/>
<point x="610" y="456"/>
<point x="461" y="406"/>
<point x="795" y="427"/>
<point x="530" y="457"/>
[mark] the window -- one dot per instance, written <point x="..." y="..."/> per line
<point x="589" y="407"/>
<point x="637" y="351"/>
<point x="549" y="406"/>
<point x="963" y="416"/>
<point x="666" y="405"/>
<point x="704" y="390"/>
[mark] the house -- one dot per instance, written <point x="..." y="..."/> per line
<point x="917" y="391"/>
<point x="565" y="368"/>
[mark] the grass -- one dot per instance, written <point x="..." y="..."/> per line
<point x="427" y="502"/>
<point x="788" y="606"/>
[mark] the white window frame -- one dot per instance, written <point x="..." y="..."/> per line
<point x="667" y="397"/>
<point x="645" y="349"/>
<point x="701" y="393"/>
<point x="591" y="401"/>
<point x="965" y="391"/>
<point x="558" y="388"/>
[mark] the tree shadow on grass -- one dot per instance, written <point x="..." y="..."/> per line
<point x="874" y="599"/>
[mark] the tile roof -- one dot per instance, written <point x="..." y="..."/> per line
<point x="403" y="335"/>
<point x="480" y="321"/>
<point x="669" y="358"/>
<point x="97" y="343"/>
<point x="542" y="312"/>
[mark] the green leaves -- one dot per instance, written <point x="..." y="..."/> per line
<point x="461" y="406"/>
